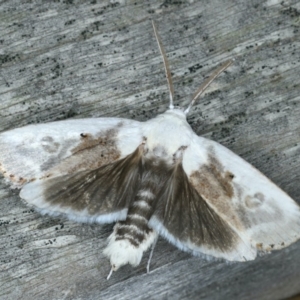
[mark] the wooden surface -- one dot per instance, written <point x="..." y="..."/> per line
<point x="76" y="59"/>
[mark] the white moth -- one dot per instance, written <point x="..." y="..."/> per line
<point x="154" y="178"/>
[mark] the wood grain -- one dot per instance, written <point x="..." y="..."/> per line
<point x="75" y="59"/>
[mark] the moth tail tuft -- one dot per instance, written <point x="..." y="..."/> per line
<point x="121" y="251"/>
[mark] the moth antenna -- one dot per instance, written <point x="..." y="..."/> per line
<point x="109" y="274"/>
<point x="207" y="82"/>
<point x="151" y="254"/>
<point x="166" y="65"/>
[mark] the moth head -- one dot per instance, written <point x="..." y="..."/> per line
<point x="175" y="114"/>
<point x="202" y="88"/>
<point x="177" y="110"/>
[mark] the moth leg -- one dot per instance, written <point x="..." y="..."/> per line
<point x="151" y="254"/>
<point x="109" y="274"/>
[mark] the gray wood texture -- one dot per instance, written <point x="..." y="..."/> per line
<point x="75" y="59"/>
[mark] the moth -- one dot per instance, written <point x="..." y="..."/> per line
<point x="151" y="178"/>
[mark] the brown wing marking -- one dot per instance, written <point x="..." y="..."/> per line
<point x="216" y="186"/>
<point x="91" y="153"/>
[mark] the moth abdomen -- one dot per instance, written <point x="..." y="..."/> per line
<point x="135" y="228"/>
<point x="132" y="236"/>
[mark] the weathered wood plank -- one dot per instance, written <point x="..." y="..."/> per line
<point x="74" y="59"/>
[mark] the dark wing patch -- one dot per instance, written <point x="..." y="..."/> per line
<point x="189" y="219"/>
<point x="216" y="186"/>
<point x="105" y="190"/>
<point x="91" y="153"/>
<point x="213" y="180"/>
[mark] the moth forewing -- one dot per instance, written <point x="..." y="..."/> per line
<point x="153" y="178"/>
<point x="64" y="147"/>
